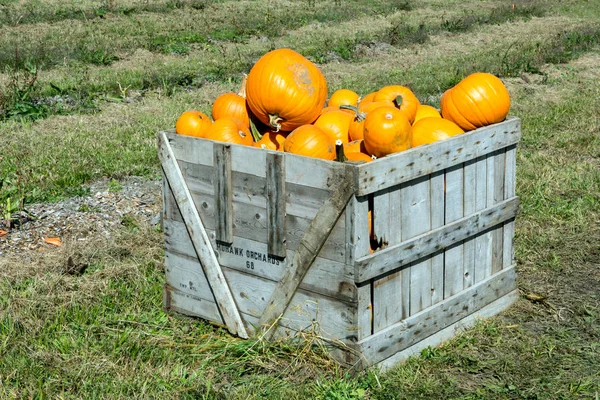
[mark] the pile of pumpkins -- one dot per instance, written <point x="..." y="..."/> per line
<point x="281" y="106"/>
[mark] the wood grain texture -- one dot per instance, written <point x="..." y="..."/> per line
<point x="326" y="277"/>
<point x="469" y="206"/>
<point x="498" y="232"/>
<point x="423" y="160"/>
<point x="483" y="241"/>
<point x="416" y="220"/>
<point x="276" y="201"/>
<point x="390" y="259"/>
<point x="438" y="338"/>
<point x="510" y="178"/>
<point x="206" y="255"/>
<point x="223" y="192"/>
<point x="312" y="241"/>
<point x="417" y="327"/>
<point x="388" y="293"/>
<point x="437" y="221"/>
<point x="453" y="257"/>
<point x="357" y="237"/>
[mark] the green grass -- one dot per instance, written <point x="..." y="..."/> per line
<point x="104" y="334"/>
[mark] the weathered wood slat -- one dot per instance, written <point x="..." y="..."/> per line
<point x="276" y="196"/>
<point x="437" y="220"/>
<point x="251" y="223"/>
<point x="388" y="294"/>
<point x="416" y="220"/>
<point x="357" y="237"/>
<point x="392" y="258"/>
<point x="212" y="269"/>
<point x="223" y="193"/>
<point x="470" y="207"/>
<point x="498" y="232"/>
<point x="313" y="240"/>
<point x="423" y="160"/>
<point x="305" y="171"/>
<point x="325" y="277"/>
<point x="453" y="257"/>
<point x="509" y="191"/>
<point x="450" y="331"/>
<point x="483" y="241"/>
<point x="417" y="327"/>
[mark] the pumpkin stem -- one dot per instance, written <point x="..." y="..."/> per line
<point x="255" y="133"/>
<point x="274" y="122"/>
<point x="398" y="101"/>
<point x="358" y="115"/>
<point x="242" y="90"/>
<point x="339" y="151"/>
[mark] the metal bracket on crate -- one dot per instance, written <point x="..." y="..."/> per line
<point x="312" y="241"/>
<point x="206" y="255"/>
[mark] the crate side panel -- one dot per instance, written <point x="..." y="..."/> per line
<point x="324" y="277"/>
<point x="358" y="238"/>
<point x="437" y="182"/>
<point x="469" y="204"/>
<point x="483" y="241"/>
<point x="251" y="294"/>
<point x="453" y="258"/>
<point x="250" y="222"/>
<point x="498" y="232"/>
<point x="415" y="220"/>
<point x="390" y="293"/>
<point x="509" y="192"/>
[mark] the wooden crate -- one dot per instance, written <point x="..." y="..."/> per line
<point x="276" y="244"/>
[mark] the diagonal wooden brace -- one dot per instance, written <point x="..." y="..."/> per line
<point x="204" y="249"/>
<point x="309" y="247"/>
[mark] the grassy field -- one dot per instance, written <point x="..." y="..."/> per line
<point x="84" y="87"/>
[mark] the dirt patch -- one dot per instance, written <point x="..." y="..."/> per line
<point x="109" y="205"/>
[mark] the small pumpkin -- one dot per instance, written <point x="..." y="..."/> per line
<point x="335" y="123"/>
<point x="355" y="146"/>
<point x="478" y="100"/>
<point x="404" y="99"/>
<point x="358" y="156"/>
<point x="285" y="90"/>
<point x="229" y="130"/>
<point x="357" y="126"/>
<point x="367" y="99"/>
<point x="310" y="141"/>
<point x="387" y="131"/>
<point x="232" y="105"/>
<point x="271" y="140"/>
<point x="343" y="97"/>
<point x="425" y="111"/>
<point x="193" y="123"/>
<point x="431" y="129"/>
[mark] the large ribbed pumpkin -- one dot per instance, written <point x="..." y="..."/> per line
<point x="478" y="100"/>
<point x="310" y="141"/>
<point x="285" y="90"/>
<point x="431" y="129"/>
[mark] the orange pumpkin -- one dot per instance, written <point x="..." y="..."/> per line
<point x="193" y="123"/>
<point x="432" y="129"/>
<point x="335" y="124"/>
<point x="355" y="146"/>
<point x="232" y="105"/>
<point x="478" y="100"/>
<point x="310" y="141"/>
<point x="271" y="140"/>
<point x="357" y="126"/>
<point x="403" y="98"/>
<point x="387" y="130"/>
<point x="367" y="99"/>
<point x="285" y="90"/>
<point x="425" y="111"/>
<point x="229" y="130"/>
<point x="343" y="97"/>
<point x="358" y="156"/>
